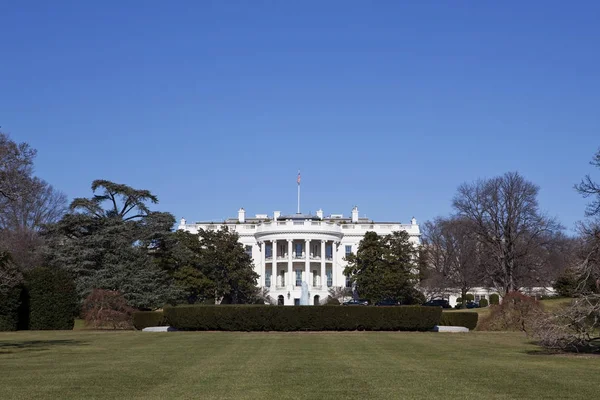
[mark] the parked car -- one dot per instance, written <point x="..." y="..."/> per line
<point x="387" y="302"/>
<point x="472" y="304"/>
<point x="358" y="302"/>
<point x="438" y="303"/>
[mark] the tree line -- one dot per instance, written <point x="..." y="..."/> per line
<point x="114" y="241"/>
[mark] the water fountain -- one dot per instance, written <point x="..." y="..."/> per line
<point x="304" y="294"/>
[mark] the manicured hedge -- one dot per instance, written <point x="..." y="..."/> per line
<point x="494" y="299"/>
<point x="9" y="309"/>
<point x="468" y="319"/>
<point x="483" y="303"/>
<point x="52" y="299"/>
<point x="271" y="318"/>
<point x="144" y="319"/>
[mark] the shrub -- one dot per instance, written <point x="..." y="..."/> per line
<point x="332" y="301"/>
<point x="470" y="297"/>
<point x="459" y="300"/>
<point x="494" y="299"/>
<point x="107" y="308"/>
<point x="9" y="308"/>
<point x="483" y="303"/>
<point x="144" y="319"/>
<point x="516" y="313"/>
<point x="267" y="318"/>
<point x="52" y="299"/>
<point x="468" y="319"/>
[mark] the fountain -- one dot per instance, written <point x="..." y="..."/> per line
<point x="304" y="294"/>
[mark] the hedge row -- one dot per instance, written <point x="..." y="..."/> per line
<point x="9" y="309"/>
<point x="144" y="319"/>
<point x="52" y="299"/>
<point x="45" y="301"/>
<point x="468" y="319"/>
<point x="270" y="318"/>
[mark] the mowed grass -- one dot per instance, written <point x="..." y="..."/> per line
<point x="323" y="365"/>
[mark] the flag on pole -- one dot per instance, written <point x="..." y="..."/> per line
<point x="298" y="179"/>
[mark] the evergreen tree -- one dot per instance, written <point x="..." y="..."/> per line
<point x="111" y="247"/>
<point x="384" y="267"/>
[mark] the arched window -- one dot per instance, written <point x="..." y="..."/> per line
<point x="317" y="298"/>
<point x="280" y="300"/>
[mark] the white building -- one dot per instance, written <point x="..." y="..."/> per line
<point x="290" y="249"/>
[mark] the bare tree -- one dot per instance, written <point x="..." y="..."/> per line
<point x="26" y="204"/>
<point x="453" y="255"/>
<point x="16" y="164"/>
<point x="577" y="327"/>
<point x="506" y="217"/>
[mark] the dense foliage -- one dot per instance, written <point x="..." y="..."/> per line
<point x="460" y="318"/>
<point x="483" y="303"/>
<point x="144" y="319"/>
<point x="494" y="299"/>
<point x="385" y="267"/>
<point x="9" y="308"/>
<point x="108" y="242"/>
<point x="271" y="318"/>
<point x="210" y="267"/>
<point x="52" y="299"/>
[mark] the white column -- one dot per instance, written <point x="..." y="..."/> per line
<point x="274" y="263"/>
<point x="307" y="262"/>
<point x="333" y="263"/>
<point x="290" y="264"/>
<point x="323" y="279"/>
<point x="263" y="264"/>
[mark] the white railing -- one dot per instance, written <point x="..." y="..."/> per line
<point x="308" y="225"/>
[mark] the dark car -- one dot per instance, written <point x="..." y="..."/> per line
<point x="438" y="303"/>
<point x="472" y="304"/>
<point x="355" y="303"/>
<point x="387" y="302"/>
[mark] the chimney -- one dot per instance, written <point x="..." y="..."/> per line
<point x="413" y="221"/>
<point x="241" y="215"/>
<point x="355" y="214"/>
<point x="320" y="213"/>
<point x="276" y="214"/>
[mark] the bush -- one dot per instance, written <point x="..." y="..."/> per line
<point x="52" y="299"/>
<point x="468" y="319"/>
<point x="459" y="300"/>
<point x="268" y="318"/>
<point x="483" y="303"/>
<point x="144" y="319"/>
<point x="470" y="297"/>
<point x="9" y="308"/>
<point x="332" y="301"/>
<point x="516" y="313"/>
<point x="494" y="299"/>
<point x="107" y="309"/>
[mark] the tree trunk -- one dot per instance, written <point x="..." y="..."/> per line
<point x="463" y="293"/>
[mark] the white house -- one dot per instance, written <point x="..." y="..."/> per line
<point x="288" y="250"/>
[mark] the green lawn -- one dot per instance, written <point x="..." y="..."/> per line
<point x="224" y="365"/>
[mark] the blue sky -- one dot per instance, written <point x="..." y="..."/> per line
<point x="388" y="105"/>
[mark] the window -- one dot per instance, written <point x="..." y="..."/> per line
<point x="249" y="251"/>
<point x="298" y="277"/>
<point x="329" y="278"/>
<point x="348" y="282"/>
<point x="298" y="249"/>
<point x="348" y="249"/>
<point x="268" y="251"/>
<point x="328" y="251"/>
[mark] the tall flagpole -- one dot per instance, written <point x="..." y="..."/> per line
<point x="298" y="181"/>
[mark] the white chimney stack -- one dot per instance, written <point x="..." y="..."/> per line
<point x="276" y="214"/>
<point x="241" y="215"/>
<point x="355" y="214"/>
<point x="413" y="221"/>
<point x="320" y="213"/>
